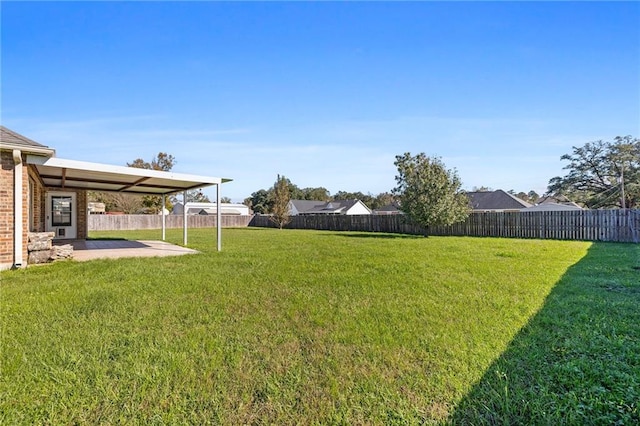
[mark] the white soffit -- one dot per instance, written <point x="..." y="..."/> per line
<point x="72" y="174"/>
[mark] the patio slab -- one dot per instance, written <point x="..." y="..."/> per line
<point x="112" y="249"/>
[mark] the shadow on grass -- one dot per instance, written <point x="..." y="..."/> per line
<point x="378" y="235"/>
<point x="578" y="360"/>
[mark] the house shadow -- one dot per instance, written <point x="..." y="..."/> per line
<point x="577" y="361"/>
<point x="103" y="244"/>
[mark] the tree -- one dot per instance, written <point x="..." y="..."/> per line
<point x="530" y="197"/>
<point x="281" y="195"/>
<point x="600" y="172"/>
<point x="370" y="200"/>
<point x="381" y="200"/>
<point x="344" y="195"/>
<point x="428" y="193"/>
<point x="162" y="162"/>
<point x="224" y="200"/>
<point x="260" y="201"/>
<point x="195" y="196"/>
<point x="295" y="193"/>
<point x="320" y="194"/>
<point x="481" y="189"/>
<point x="118" y="201"/>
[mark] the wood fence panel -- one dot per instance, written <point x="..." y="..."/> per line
<point x="105" y="222"/>
<point x="590" y="225"/>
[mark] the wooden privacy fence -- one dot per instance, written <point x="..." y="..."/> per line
<point x="589" y="225"/>
<point x="106" y="222"/>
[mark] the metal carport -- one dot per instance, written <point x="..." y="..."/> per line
<point x="71" y="174"/>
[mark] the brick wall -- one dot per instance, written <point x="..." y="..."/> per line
<point x="34" y="197"/>
<point x="81" y="200"/>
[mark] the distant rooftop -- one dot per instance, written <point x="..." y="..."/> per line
<point x="496" y="200"/>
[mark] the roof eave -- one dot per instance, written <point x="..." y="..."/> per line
<point x="34" y="150"/>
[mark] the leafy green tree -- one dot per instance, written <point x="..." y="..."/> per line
<point x="225" y="200"/>
<point x="481" y="189"/>
<point x="529" y="197"/>
<point x="429" y="193"/>
<point x="367" y="199"/>
<point x="320" y="194"/>
<point x="281" y="195"/>
<point x="162" y="162"/>
<point x="600" y="171"/>
<point x="381" y="200"/>
<point x="295" y="193"/>
<point x="260" y="202"/>
<point x="344" y="195"/>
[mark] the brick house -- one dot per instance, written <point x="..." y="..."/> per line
<point x="40" y="192"/>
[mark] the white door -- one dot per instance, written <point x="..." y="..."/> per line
<point x="61" y="214"/>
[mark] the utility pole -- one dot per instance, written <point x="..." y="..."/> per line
<point x="623" y="203"/>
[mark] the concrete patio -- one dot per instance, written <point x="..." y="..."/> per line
<point x="84" y="250"/>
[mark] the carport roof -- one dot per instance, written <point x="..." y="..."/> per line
<point x="71" y="174"/>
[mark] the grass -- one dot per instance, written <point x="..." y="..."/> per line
<point x="309" y="327"/>
<point x="578" y="360"/>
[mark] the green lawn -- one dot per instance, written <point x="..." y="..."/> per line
<point x="310" y="327"/>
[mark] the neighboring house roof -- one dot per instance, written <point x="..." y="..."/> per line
<point x="495" y="200"/>
<point x="210" y="212"/>
<point x="13" y="140"/>
<point x="557" y="199"/>
<point x="388" y="209"/>
<point x="211" y="209"/>
<point x="201" y="211"/>
<point x="303" y="206"/>
<point x="549" y="206"/>
<point x="334" y="207"/>
<point x="323" y="207"/>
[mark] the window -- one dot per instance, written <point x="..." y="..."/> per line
<point x="61" y="211"/>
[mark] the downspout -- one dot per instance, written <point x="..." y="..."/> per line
<point x="164" y="218"/>
<point x="184" y="217"/>
<point x="17" y="209"/>
<point x="218" y="219"/>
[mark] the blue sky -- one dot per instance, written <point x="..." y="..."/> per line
<point x="323" y="93"/>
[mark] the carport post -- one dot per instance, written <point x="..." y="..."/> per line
<point x="184" y="217"/>
<point x="164" y="218"/>
<point x="218" y="218"/>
